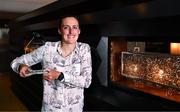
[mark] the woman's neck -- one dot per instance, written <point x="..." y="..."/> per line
<point x="67" y="48"/>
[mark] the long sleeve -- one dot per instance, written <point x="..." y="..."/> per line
<point x="28" y="59"/>
<point x="83" y="78"/>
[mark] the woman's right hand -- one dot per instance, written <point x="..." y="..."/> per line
<point x="23" y="70"/>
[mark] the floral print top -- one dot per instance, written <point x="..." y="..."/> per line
<point x="66" y="95"/>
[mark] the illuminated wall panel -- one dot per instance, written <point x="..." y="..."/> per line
<point x="158" y="68"/>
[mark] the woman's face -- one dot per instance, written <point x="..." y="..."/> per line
<point x="69" y="30"/>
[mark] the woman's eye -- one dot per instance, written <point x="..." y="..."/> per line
<point x="68" y="27"/>
<point x="75" y="27"/>
<point x="65" y="27"/>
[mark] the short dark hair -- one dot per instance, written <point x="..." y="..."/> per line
<point x="62" y="17"/>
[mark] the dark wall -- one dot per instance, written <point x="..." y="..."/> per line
<point x="157" y="19"/>
<point x="145" y="20"/>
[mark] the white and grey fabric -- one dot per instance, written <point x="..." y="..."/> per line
<point x="66" y="95"/>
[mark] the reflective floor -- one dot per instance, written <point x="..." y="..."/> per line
<point x="8" y="100"/>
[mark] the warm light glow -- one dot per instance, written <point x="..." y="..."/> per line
<point x="175" y="48"/>
<point x="135" y="68"/>
<point x="141" y="9"/>
<point x="158" y="68"/>
<point x="160" y="73"/>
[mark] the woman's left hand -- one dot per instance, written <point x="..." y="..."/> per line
<point x="51" y="74"/>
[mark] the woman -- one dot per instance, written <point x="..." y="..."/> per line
<point x="67" y="66"/>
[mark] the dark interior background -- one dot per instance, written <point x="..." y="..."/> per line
<point x="129" y="20"/>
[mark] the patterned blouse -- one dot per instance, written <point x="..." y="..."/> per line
<point x="66" y="95"/>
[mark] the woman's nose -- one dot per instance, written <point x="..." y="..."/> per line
<point x="70" y="30"/>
